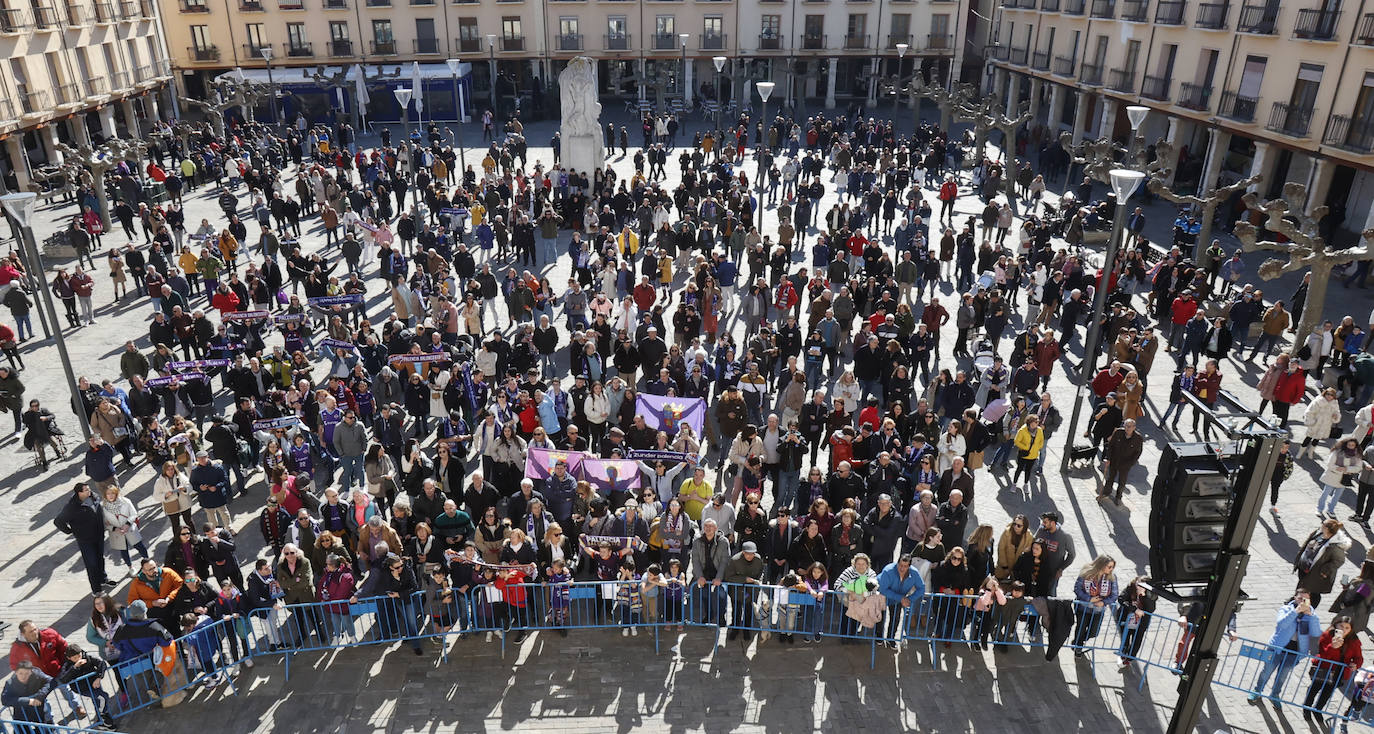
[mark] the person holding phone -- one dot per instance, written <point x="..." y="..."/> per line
<point x="1295" y="628"/>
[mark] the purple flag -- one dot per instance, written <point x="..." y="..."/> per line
<point x="539" y="463"/>
<point x="667" y="413"/>
<point x="612" y="475"/>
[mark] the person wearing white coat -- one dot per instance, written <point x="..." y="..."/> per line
<point x="597" y="410"/>
<point x="1323" y="413"/>
<point x="121" y="527"/>
<point x="951" y="446"/>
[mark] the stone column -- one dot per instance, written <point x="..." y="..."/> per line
<point x="154" y="112"/>
<point x="830" y="83"/>
<point x="1321" y="183"/>
<point x="48" y="136"/>
<point x="19" y="163"/>
<point x="131" y="117"/>
<point x="689" y="83"/>
<point x="1173" y="135"/>
<point x="1013" y="93"/>
<point x="107" y="121"/>
<point x="1037" y="89"/>
<point x="1107" y="122"/>
<point x="1217" y="143"/>
<point x="1058" y="95"/>
<point x="643" y="83"/>
<point x="1080" y="115"/>
<point x="1261" y="163"/>
<point x="80" y="133"/>
<point x="872" y="100"/>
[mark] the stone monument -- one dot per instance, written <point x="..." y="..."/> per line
<point x="581" y="133"/>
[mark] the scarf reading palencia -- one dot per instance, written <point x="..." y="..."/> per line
<point x="595" y="540"/>
<point x="453" y="556"/>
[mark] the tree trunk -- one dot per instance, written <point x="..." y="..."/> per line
<point x="216" y="122"/>
<point x="1204" y="235"/>
<point x="102" y="198"/>
<point x="1314" y="306"/>
<point x="946" y="115"/>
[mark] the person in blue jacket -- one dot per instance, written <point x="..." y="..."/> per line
<point x="1295" y="629"/>
<point x="903" y="589"/>
<point x="1096" y="590"/>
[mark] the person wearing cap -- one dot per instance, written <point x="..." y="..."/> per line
<point x="1106" y="420"/>
<point x="26" y="694"/>
<point x="1059" y="549"/>
<point x="742" y="573"/>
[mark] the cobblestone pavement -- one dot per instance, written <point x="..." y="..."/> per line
<point x="598" y="683"/>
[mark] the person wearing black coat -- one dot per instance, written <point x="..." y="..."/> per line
<point x="883" y="529"/>
<point x="186" y="556"/>
<point x="571" y="558"/>
<point x="808" y="548"/>
<point x="1135" y="606"/>
<point x="83" y="519"/>
<point x="1217" y="343"/>
<point x="396" y="614"/>
<point x="777" y="545"/>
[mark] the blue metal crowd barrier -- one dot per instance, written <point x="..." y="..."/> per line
<point x="209" y="652"/>
<point x="9" y="726"/>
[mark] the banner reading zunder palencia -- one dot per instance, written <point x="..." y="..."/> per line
<point x="539" y="463"/>
<point x="667" y="413"/>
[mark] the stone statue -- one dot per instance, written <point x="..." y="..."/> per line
<point x="582" y="147"/>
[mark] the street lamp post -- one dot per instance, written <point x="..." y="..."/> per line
<point x="21" y="206"/>
<point x="403" y="96"/>
<point x="765" y="90"/>
<point x="491" y="73"/>
<point x="266" y="52"/>
<point x="897" y="85"/>
<point x="719" y="61"/>
<point x="453" y="66"/>
<point x="1124" y="183"/>
<point x="682" y="80"/>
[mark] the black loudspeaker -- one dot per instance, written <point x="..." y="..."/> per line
<point x="1189" y="506"/>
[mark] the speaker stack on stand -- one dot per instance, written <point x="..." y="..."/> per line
<point x="1189" y="506"/>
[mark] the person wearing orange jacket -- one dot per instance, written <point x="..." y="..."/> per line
<point x="155" y="586"/>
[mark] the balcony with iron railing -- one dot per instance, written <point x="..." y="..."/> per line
<point x="1090" y="74"/>
<point x="33" y="103"/>
<point x="467" y="45"/>
<point x="1316" y="25"/>
<point x="46" y="18"/>
<point x="1261" y="20"/>
<point x="1063" y="65"/>
<point x="1350" y="133"/>
<point x="145" y="72"/>
<point x="1121" y="80"/>
<point x="569" y="41"/>
<point x="512" y="43"/>
<point x="96" y="86"/>
<point x="1050" y="6"/>
<point x="254" y="50"/>
<point x="148" y="8"/>
<point x="997" y="53"/>
<point x="427" y="46"/>
<point x="12" y="20"/>
<point x="1019" y="56"/>
<point x="1290" y="119"/>
<point x="195" y="53"/>
<point x="75" y="14"/>
<point x="378" y="3"/>
<point x="1212" y="16"/>
<point x="769" y="42"/>
<point x="335" y="4"/>
<point x="1238" y="107"/>
<point x="940" y="42"/>
<point x="1074" y="7"/>
<point x="1040" y="60"/>
<point x="617" y="41"/>
<point x="1155" y="87"/>
<point x="855" y="42"/>
<point x="299" y="50"/>
<point x="291" y="4"/>
<point x="69" y="94"/>
<point x="1104" y="9"/>
<point x="712" y="41"/>
<point x="893" y="39"/>
<point x="1135" y="11"/>
<point x="194" y="6"/>
<point x="813" y="42"/>
<point x="340" y="48"/>
<point x="384" y="48"/>
<point x="1365" y="35"/>
<point x="129" y="10"/>
<point x="1170" y="12"/>
<point x="122" y="80"/>
<point x="6" y="111"/>
<point x="665" y="41"/>
<point x="252" y="6"/>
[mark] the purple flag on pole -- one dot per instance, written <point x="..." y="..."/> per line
<point x="667" y="413"/>
<point x="539" y="463"/>
<point x="612" y="475"/>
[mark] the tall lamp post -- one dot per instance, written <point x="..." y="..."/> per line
<point x="897" y="85"/>
<point x="21" y="206"/>
<point x="1124" y="183"/>
<point x="266" y="52"/>
<point x="682" y="80"/>
<point x="403" y="96"/>
<point x="453" y="66"/>
<point x="491" y="69"/>
<point x="765" y="90"/>
<point x="719" y="61"/>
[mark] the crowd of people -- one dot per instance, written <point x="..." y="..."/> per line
<point x="847" y="425"/>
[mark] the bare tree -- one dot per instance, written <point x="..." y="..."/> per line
<point x="229" y="93"/>
<point x="343" y="79"/>
<point x="1306" y="248"/>
<point x="99" y="160"/>
<point x="1206" y="204"/>
<point x="946" y="100"/>
<point x="987" y="114"/>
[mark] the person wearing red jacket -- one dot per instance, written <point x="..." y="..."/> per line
<point x="1108" y="380"/>
<point x="949" y="191"/>
<point x="45" y="649"/>
<point x="1290" y="388"/>
<point x="1180" y="312"/>
<point x="1338" y="657"/>
<point x="784" y="298"/>
<point x="1207" y="386"/>
<point x="225" y="300"/>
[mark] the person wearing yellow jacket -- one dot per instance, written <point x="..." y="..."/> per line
<point x="1029" y="442"/>
<point x="628" y="242"/>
